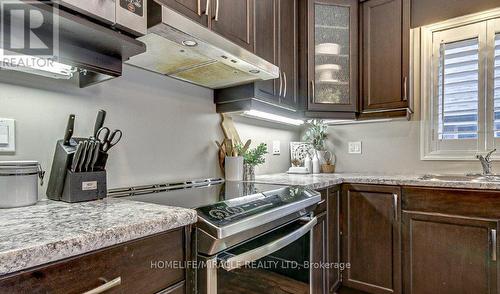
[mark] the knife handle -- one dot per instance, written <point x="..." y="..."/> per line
<point x="99" y="122"/>
<point x="69" y="129"/>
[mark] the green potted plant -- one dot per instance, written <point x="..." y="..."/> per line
<point x="317" y="134"/>
<point x="251" y="159"/>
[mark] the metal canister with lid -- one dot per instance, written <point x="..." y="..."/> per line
<point x="19" y="183"/>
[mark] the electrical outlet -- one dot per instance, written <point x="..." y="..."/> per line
<point x="7" y="135"/>
<point x="276" y="147"/>
<point x="355" y="148"/>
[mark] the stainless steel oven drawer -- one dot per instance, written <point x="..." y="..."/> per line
<point x="127" y="15"/>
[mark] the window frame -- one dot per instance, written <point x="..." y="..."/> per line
<point x="484" y="26"/>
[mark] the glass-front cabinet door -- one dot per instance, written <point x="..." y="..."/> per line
<point x="333" y="55"/>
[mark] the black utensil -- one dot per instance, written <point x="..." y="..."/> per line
<point x="108" y="139"/>
<point x="69" y="130"/>
<point x="90" y="155"/>
<point x="81" y="164"/>
<point x="76" y="157"/>
<point x="99" y="122"/>
<point x="95" y="156"/>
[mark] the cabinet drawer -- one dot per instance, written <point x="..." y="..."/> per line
<point x="132" y="262"/>
<point x="473" y="203"/>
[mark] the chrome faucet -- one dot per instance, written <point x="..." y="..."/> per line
<point x="486" y="162"/>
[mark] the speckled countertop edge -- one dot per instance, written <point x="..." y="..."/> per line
<point x="320" y="181"/>
<point x="51" y="231"/>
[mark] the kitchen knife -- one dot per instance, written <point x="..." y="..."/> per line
<point x="69" y="130"/>
<point x="90" y="155"/>
<point x="95" y="156"/>
<point x="76" y="157"/>
<point x="99" y="122"/>
<point x="83" y="156"/>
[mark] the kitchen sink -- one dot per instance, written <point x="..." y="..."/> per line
<point x="462" y="178"/>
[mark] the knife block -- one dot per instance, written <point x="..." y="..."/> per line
<point x="84" y="186"/>
<point x="63" y="156"/>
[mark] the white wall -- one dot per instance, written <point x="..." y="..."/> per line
<point x="169" y="126"/>
<point x="391" y="148"/>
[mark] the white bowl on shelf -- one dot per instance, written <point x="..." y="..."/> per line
<point x="328" y="49"/>
<point x="327" y="71"/>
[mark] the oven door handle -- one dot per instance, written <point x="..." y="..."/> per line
<point x="230" y="262"/>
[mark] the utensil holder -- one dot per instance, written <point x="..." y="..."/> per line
<point x="84" y="186"/>
<point x="234" y="168"/>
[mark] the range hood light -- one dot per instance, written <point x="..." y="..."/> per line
<point x="189" y="43"/>
<point x="254" y="71"/>
<point x="38" y="66"/>
<point x="273" y="117"/>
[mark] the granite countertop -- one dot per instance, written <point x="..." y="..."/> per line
<point x="320" y="181"/>
<point x="51" y="231"/>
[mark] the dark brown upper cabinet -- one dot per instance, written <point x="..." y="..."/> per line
<point x="193" y="9"/>
<point x="329" y="56"/>
<point x="276" y="40"/>
<point x="234" y="19"/>
<point x="371" y="238"/>
<point x="385" y="57"/>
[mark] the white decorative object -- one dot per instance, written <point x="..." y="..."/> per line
<point x="308" y="163"/>
<point x="328" y="49"/>
<point x="298" y="170"/>
<point x="300" y="150"/>
<point x="327" y="72"/>
<point x="315" y="163"/>
<point x="234" y="168"/>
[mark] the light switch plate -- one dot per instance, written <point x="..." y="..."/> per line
<point x="355" y="148"/>
<point x="7" y="135"/>
<point x="276" y="147"/>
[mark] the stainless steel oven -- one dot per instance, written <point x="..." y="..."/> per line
<point x="249" y="238"/>
<point x="278" y="261"/>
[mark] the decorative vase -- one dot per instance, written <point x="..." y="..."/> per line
<point x="249" y="172"/>
<point x="315" y="164"/>
<point x="323" y="156"/>
<point x="234" y="168"/>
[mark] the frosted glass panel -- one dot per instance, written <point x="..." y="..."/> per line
<point x="332" y="73"/>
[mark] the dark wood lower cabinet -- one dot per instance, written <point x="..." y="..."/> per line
<point x="320" y="257"/>
<point x="142" y="265"/>
<point x="449" y="254"/>
<point x="371" y="238"/>
<point x="333" y="235"/>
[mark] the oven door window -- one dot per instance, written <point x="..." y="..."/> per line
<point x="283" y="271"/>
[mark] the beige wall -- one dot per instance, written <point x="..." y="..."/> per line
<point x="169" y="126"/>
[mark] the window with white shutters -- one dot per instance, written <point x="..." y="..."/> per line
<point x="460" y="76"/>
<point x="458" y="90"/>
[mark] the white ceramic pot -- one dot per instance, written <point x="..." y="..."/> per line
<point x="19" y="183"/>
<point x="234" y="168"/>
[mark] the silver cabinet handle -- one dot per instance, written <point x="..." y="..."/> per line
<point x="216" y="10"/>
<point x="493" y="234"/>
<point x="231" y="262"/>
<point x="284" y="77"/>
<point x="395" y="197"/>
<point x="208" y="7"/>
<point x="281" y="84"/>
<point x="103" y="288"/>
<point x="199" y="7"/>
<point x="405" y="89"/>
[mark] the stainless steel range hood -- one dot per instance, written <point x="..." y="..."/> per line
<point x="185" y="50"/>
